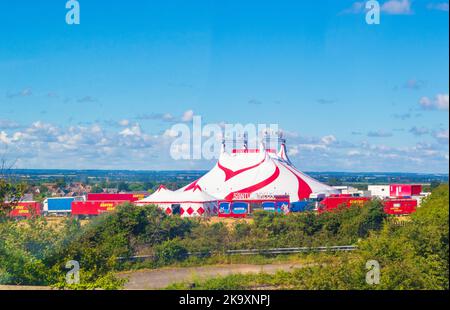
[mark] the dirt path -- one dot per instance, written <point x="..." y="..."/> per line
<point x="155" y="279"/>
<point x="23" y="288"/>
<point x="161" y="278"/>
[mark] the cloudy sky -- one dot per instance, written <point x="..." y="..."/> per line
<point x="104" y="94"/>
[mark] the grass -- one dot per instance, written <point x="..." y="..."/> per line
<point x="193" y="261"/>
<point x="298" y="278"/>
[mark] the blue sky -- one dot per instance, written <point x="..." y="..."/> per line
<point x="350" y="96"/>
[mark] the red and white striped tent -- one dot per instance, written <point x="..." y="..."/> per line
<point x="189" y="203"/>
<point x="256" y="174"/>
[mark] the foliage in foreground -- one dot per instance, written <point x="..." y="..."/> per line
<point x="34" y="252"/>
<point x="414" y="256"/>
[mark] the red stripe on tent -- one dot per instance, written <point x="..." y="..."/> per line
<point x="230" y="173"/>
<point x="193" y="185"/>
<point x="197" y="187"/>
<point x="161" y="187"/>
<point x="303" y="188"/>
<point x="257" y="186"/>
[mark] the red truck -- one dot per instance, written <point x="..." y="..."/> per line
<point x="334" y="201"/>
<point x="26" y="209"/>
<point x="90" y="208"/>
<point x="131" y="197"/>
<point x="405" y="190"/>
<point x="400" y="206"/>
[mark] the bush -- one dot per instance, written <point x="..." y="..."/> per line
<point x="171" y="251"/>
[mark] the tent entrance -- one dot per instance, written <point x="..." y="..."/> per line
<point x="176" y="209"/>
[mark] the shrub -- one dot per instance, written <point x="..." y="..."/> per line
<point x="171" y="251"/>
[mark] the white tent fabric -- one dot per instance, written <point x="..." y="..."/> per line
<point x="256" y="175"/>
<point x="161" y="194"/>
<point x="189" y="203"/>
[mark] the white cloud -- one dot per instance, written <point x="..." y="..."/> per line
<point x="440" y="102"/>
<point x="379" y="134"/>
<point x="397" y="7"/>
<point x="45" y="145"/>
<point x="7" y="124"/>
<point x="124" y="122"/>
<point x="132" y="131"/>
<point x="356" y="8"/>
<point x="354" y="153"/>
<point x="187" y="116"/>
<point x="425" y="102"/>
<point x="419" y="131"/>
<point x="312" y="147"/>
<point x="26" y="92"/>
<point x="167" y="117"/>
<point x="443" y="6"/>
<point x="4" y="138"/>
<point x="442" y="136"/>
<point x="328" y="139"/>
<point x="293" y="151"/>
<point x="170" y="133"/>
<point x="414" y="84"/>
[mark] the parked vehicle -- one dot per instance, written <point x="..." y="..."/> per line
<point x="93" y="208"/>
<point x="131" y="197"/>
<point x="26" y="209"/>
<point x="404" y="190"/>
<point x="400" y="206"/>
<point x="333" y="202"/>
<point x="60" y="205"/>
<point x="304" y="205"/>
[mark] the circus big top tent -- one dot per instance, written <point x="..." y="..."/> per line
<point x="250" y="175"/>
<point x="257" y="174"/>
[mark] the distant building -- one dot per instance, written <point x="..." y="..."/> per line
<point x="350" y="190"/>
<point x="380" y="191"/>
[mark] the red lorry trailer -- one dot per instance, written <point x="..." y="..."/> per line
<point x="90" y="208"/>
<point x="404" y="190"/>
<point x="26" y="209"/>
<point x="400" y="206"/>
<point x="333" y="202"/>
<point x="131" y="197"/>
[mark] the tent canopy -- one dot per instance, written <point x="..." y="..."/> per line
<point x="257" y="173"/>
<point x="193" y="195"/>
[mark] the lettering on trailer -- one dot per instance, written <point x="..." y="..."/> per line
<point x="356" y="202"/>
<point x="106" y="205"/>
<point x="241" y="196"/>
<point x="263" y="196"/>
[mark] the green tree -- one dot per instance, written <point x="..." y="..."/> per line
<point x="97" y="189"/>
<point x="10" y="194"/>
<point x="123" y="187"/>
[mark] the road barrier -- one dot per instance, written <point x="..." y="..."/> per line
<point x="292" y="250"/>
<point x="337" y="248"/>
